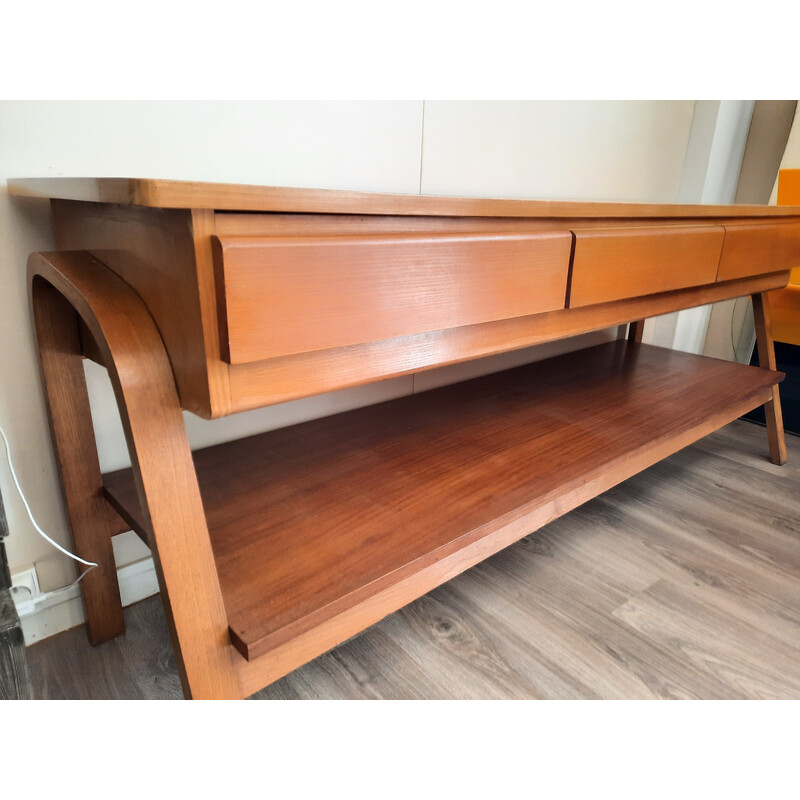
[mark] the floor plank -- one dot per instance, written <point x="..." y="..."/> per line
<point x="683" y="582"/>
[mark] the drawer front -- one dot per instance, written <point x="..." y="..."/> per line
<point x="280" y="296"/>
<point x="614" y="264"/>
<point x="759" y="249"/>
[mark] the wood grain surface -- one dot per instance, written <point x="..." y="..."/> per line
<point x="230" y="223"/>
<point x="680" y="582"/>
<point x="766" y="358"/>
<point x="289" y="543"/>
<point x="153" y="251"/>
<point x="163" y="474"/>
<point x="288" y="295"/>
<point x="91" y="521"/>
<point x="318" y="526"/>
<point x="751" y="249"/>
<point x="159" y="193"/>
<point x="165" y="254"/>
<point x="291" y="377"/>
<point x="621" y="263"/>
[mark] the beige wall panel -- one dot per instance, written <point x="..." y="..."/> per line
<point x="369" y="146"/>
<point x="596" y="150"/>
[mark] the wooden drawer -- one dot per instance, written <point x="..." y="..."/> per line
<point x="758" y="249"/>
<point x="613" y="264"/>
<point x="281" y="296"/>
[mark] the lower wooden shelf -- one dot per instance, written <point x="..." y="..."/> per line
<point x="354" y="515"/>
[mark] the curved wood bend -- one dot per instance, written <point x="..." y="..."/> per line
<point x="62" y="284"/>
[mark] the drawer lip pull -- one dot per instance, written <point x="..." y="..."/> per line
<point x="279" y="296"/>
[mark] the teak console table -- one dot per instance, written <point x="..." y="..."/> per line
<point x="221" y="298"/>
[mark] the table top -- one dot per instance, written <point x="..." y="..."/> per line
<point x="158" y="193"/>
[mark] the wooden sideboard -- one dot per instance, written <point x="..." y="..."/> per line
<point x="221" y="298"/>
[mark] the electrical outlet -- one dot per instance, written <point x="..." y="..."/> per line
<point x="24" y="587"/>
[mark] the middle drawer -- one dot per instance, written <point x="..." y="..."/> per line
<point x="279" y="296"/>
<point x="614" y="264"/>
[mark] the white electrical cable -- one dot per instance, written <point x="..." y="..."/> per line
<point x="26" y="606"/>
<point x="90" y="564"/>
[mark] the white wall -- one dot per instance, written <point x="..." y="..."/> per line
<point x="594" y="150"/>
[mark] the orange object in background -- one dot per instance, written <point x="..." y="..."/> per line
<point x="784" y="304"/>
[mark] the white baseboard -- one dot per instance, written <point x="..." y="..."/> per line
<point x="65" y="609"/>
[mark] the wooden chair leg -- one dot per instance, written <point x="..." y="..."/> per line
<point x="90" y="519"/>
<point x="635" y="330"/>
<point x="141" y="375"/>
<point x="766" y="358"/>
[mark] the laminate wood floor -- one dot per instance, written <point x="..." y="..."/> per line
<point x="683" y="582"/>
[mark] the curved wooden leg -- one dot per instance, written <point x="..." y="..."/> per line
<point x="90" y="519"/>
<point x="766" y="358"/>
<point x="141" y="375"/>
